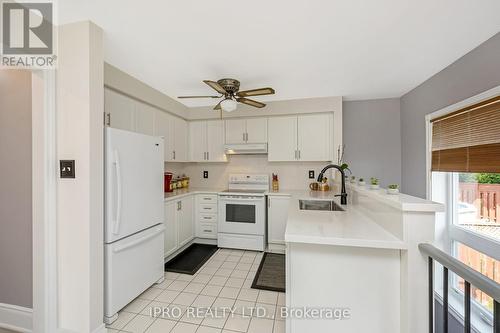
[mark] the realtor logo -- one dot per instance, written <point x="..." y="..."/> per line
<point x="27" y="34"/>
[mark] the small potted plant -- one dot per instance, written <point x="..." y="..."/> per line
<point x="374" y="183"/>
<point x="353" y="179"/>
<point x="393" y="189"/>
<point x="361" y="182"/>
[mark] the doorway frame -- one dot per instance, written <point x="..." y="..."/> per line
<point x="44" y="201"/>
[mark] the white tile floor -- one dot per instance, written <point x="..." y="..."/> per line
<point x="224" y="282"/>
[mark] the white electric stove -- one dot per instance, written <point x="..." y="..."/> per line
<point x="242" y="212"/>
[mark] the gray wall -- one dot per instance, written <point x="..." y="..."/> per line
<point x="15" y="188"/>
<point x="371" y="133"/>
<point x="475" y="72"/>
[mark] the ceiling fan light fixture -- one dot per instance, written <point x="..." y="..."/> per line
<point x="228" y="105"/>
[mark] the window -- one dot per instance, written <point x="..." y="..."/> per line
<point x="477" y="203"/>
<point x="464" y="156"/>
<point x="481" y="263"/>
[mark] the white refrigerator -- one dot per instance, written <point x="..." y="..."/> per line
<point x="133" y="226"/>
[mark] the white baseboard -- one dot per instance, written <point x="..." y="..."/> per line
<point x="276" y="248"/>
<point x="16" y="318"/>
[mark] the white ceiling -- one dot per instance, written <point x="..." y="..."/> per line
<point x="310" y="48"/>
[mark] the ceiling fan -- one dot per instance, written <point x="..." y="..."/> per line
<point x="231" y="96"/>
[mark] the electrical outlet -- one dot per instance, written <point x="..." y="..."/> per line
<point x="311" y="174"/>
<point x="205" y="174"/>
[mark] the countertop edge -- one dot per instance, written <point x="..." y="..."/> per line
<point x="376" y="244"/>
<point x="169" y="196"/>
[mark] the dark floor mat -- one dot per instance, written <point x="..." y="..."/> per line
<point x="271" y="273"/>
<point x="191" y="259"/>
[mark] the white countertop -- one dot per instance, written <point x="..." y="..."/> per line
<point x="342" y="228"/>
<point x="351" y="227"/>
<point x="400" y="201"/>
<point x="403" y="202"/>
<point x="177" y="194"/>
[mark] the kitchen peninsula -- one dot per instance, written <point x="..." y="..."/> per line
<point x="364" y="259"/>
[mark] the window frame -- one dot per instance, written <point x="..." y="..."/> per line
<point x="455" y="233"/>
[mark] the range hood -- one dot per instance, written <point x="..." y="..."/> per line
<point x="246" y="148"/>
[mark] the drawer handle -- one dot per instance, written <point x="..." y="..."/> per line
<point x="205" y="230"/>
<point x="207" y="208"/>
<point x="207" y="198"/>
<point x="207" y="218"/>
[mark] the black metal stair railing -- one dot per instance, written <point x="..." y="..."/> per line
<point x="470" y="276"/>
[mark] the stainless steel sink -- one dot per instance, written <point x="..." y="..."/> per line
<point x="319" y="205"/>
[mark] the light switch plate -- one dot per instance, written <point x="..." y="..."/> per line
<point x="311" y="174"/>
<point x="205" y="174"/>
<point x="67" y="168"/>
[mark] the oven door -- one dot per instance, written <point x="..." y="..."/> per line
<point x="241" y="214"/>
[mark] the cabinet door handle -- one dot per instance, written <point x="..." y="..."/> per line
<point x="208" y="156"/>
<point x="173" y="154"/>
<point x="269" y="202"/>
<point x="299" y="154"/>
<point x="295" y="154"/>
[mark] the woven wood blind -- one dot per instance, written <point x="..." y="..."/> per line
<point x="468" y="140"/>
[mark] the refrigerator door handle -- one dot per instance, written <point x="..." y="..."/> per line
<point x="139" y="241"/>
<point x="116" y="226"/>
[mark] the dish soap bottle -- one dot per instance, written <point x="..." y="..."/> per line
<point x="276" y="184"/>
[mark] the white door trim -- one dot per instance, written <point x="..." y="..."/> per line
<point x="44" y="201"/>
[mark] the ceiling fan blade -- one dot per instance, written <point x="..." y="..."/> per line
<point x="199" y="96"/>
<point x="217" y="87"/>
<point x="217" y="107"/>
<point x="256" y="92"/>
<point x="251" y="102"/>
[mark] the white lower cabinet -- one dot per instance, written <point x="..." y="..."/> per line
<point x="179" y="223"/>
<point x="185" y="230"/>
<point x="277" y="215"/>
<point x="171" y="243"/>
<point x="206" y="215"/>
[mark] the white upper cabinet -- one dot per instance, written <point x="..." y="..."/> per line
<point x="240" y="131"/>
<point x="175" y="132"/>
<point x="256" y="130"/>
<point x="282" y="144"/>
<point x="207" y="141"/>
<point x="120" y="110"/>
<point x="197" y="141"/>
<point x="301" y="138"/>
<point x="165" y="128"/>
<point x="145" y="119"/>
<point x="215" y="141"/>
<point x="314" y="139"/>
<point x="181" y="137"/>
<point x="132" y="115"/>
<point x="235" y="131"/>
